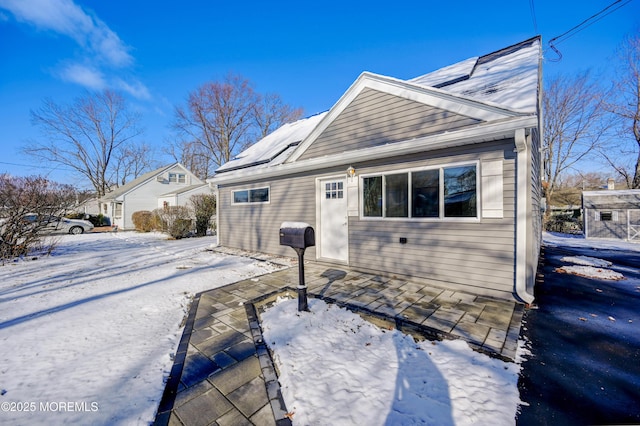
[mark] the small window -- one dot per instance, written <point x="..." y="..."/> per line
<point x="334" y="190"/>
<point x="251" y="196"/>
<point x="606" y="216"/>
<point x="177" y="177"/>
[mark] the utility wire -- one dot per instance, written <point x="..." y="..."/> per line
<point x="582" y="25"/>
<point x="532" y="7"/>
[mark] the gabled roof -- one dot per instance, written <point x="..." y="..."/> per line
<point x="139" y="181"/>
<point x="495" y="87"/>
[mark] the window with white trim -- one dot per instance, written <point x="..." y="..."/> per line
<point x="607" y="216"/>
<point x="443" y="192"/>
<point x="177" y="177"/>
<point x="250" y="196"/>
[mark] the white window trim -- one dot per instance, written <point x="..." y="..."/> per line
<point x="441" y="217"/>
<point x="249" y="202"/>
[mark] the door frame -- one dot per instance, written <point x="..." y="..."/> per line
<point x="319" y="194"/>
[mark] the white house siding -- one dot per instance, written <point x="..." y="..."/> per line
<point x="375" y="118"/>
<point x="475" y="255"/>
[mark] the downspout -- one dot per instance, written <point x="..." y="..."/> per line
<point x="522" y="197"/>
<point x="216" y="192"/>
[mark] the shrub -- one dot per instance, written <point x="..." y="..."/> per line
<point x="144" y="221"/>
<point x="175" y="220"/>
<point x="204" y="208"/>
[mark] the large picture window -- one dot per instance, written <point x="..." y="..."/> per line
<point x="251" y="196"/>
<point x="444" y="192"/>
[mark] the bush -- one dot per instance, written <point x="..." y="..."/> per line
<point x="175" y="220"/>
<point x="566" y="224"/>
<point x="145" y="221"/>
<point x="204" y="207"/>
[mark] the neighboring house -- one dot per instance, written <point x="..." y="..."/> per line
<point x="437" y="177"/>
<point x="167" y="186"/>
<point x="612" y="214"/>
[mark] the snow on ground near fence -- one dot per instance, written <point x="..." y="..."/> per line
<point x="87" y="335"/>
<point x="339" y="369"/>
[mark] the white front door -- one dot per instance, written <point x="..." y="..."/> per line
<point x="334" y="237"/>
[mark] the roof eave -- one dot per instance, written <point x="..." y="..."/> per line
<point x="480" y="133"/>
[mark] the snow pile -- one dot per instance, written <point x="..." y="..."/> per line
<point x="591" y="272"/>
<point x="587" y="261"/>
<point x="589" y="267"/>
<point x="336" y="368"/>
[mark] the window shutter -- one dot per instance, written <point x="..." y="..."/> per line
<point x="492" y="189"/>
<point x="597" y="216"/>
<point x="615" y="216"/>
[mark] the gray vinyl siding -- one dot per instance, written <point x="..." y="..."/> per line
<point x="255" y="227"/>
<point x="375" y="118"/>
<point x="624" y="207"/>
<point x="535" y="209"/>
<point x="476" y="256"/>
<point x="616" y="228"/>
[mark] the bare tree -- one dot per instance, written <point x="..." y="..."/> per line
<point x="624" y="155"/>
<point x="270" y="112"/>
<point x="218" y="117"/>
<point x="23" y="198"/>
<point x="87" y="136"/>
<point x="193" y="156"/>
<point x="573" y="128"/>
<point x="131" y="162"/>
<point x="223" y="118"/>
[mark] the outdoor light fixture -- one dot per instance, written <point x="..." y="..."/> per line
<point x="351" y="171"/>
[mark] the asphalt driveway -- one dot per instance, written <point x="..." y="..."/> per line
<point x="585" y="343"/>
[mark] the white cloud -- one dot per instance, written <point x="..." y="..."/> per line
<point x="65" y="17"/>
<point x="134" y="88"/>
<point x="83" y="75"/>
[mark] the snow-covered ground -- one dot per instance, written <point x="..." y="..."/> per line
<point x="339" y="369"/>
<point x="87" y="334"/>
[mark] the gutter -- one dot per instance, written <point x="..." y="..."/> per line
<point x="521" y="217"/>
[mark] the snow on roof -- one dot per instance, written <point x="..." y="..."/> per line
<point x="274" y="145"/>
<point x="507" y="78"/>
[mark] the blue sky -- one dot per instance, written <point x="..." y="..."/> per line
<point x="156" y="52"/>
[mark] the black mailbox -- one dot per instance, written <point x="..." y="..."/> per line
<point x="297" y="235"/>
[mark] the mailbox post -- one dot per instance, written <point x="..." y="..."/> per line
<point x="298" y="236"/>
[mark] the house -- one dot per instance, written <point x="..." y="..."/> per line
<point x="170" y="185"/>
<point x="437" y="177"/>
<point x="613" y="214"/>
